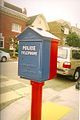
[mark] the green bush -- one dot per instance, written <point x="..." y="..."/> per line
<point x="9" y="51"/>
<point x="73" y="40"/>
<point x="5" y="50"/>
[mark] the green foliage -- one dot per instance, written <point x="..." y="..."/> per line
<point x="5" y="50"/>
<point x="17" y="47"/>
<point x="73" y="40"/>
<point x="14" y="43"/>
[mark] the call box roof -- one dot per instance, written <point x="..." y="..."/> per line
<point x="29" y="31"/>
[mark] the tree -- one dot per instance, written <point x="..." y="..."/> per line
<point x="14" y="43"/>
<point x="73" y="40"/>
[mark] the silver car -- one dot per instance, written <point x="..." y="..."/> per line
<point x="68" y="62"/>
<point x="4" y="56"/>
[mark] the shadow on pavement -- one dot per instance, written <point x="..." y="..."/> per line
<point x="59" y="83"/>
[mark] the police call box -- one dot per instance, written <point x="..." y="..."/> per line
<point x="37" y="54"/>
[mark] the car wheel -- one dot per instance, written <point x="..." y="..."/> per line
<point x="3" y="59"/>
<point x="76" y="75"/>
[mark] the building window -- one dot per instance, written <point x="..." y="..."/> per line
<point x="16" y="28"/>
<point x="1" y="41"/>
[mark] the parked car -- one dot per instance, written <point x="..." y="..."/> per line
<point x="68" y="62"/>
<point x="4" y="56"/>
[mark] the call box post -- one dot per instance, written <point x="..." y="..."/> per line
<point x="37" y="63"/>
<point x="36" y="104"/>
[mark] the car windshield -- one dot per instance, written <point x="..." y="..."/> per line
<point x="62" y="53"/>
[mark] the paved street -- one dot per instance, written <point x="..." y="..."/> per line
<point x="15" y="90"/>
<point x="10" y="70"/>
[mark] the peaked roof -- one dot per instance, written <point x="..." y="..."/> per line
<point x="39" y="31"/>
<point x="31" y="19"/>
<point x="44" y="33"/>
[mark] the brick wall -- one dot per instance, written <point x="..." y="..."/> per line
<point x="6" y="27"/>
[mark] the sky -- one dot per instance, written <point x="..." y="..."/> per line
<point x="68" y="10"/>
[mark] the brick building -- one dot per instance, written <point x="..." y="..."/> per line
<point x="12" y="22"/>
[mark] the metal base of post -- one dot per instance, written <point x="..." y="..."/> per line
<point x="36" y="104"/>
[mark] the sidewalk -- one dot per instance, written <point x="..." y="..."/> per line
<point x="13" y="59"/>
<point x="65" y="101"/>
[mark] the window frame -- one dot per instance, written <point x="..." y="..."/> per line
<point x="65" y="51"/>
<point x="16" y="27"/>
<point x="2" y="41"/>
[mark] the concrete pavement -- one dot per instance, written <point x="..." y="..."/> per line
<point x="65" y="100"/>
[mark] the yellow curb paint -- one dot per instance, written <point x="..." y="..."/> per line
<point x="53" y="111"/>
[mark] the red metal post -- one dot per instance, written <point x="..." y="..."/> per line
<point x="36" y="104"/>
